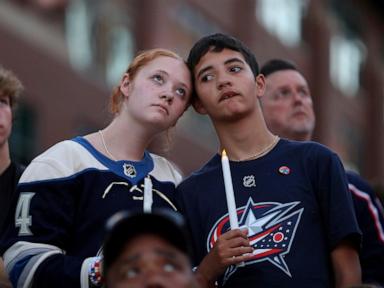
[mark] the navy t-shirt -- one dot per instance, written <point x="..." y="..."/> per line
<point x="295" y="203"/>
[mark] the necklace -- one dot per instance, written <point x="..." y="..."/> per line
<point x="262" y="152"/>
<point x="105" y="146"/>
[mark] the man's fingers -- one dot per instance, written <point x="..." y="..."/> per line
<point x="235" y="233"/>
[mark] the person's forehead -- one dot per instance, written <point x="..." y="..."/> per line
<point x="286" y="77"/>
<point x="214" y="58"/>
<point x="174" y="67"/>
<point x="165" y="63"/>
<point x="147" y="242"/>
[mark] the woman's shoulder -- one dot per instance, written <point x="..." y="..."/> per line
<point x="63" y="159"/>
<point x="165" y="170"/>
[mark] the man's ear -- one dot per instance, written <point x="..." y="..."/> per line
<point x="124" y="85"/>
<point x="198" y="106"/>
<point x="260" y="83"/>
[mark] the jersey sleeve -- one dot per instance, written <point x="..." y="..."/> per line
<point x="35" y="244"/>
<point x="334" y="198"/>
<point x="370" y="217"/>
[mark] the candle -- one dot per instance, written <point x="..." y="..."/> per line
<point x="233" y="221"/>
<point x="148" y="200"/>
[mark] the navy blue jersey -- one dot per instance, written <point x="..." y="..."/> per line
<point x="66" y="195"/>
<point x="370" y="216"/>
<point x="294" y="202"/>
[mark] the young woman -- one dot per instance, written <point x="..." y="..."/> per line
<point x="68" y="192"/>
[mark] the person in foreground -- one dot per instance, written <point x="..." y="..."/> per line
<point x="68" y="192"/>
<point x="147" y="250"/>
<point x="288" y="112"/>
<point x="297" y="224"/>
<point x="10" y="171"/>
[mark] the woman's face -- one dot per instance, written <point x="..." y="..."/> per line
<point x="159" y="93"/>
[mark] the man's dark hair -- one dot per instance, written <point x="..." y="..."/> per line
<point x="216" y="43"/>
<point x="275" y="65"/>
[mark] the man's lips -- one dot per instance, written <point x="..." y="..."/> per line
<point x="299" y="114"/>
<point x="227" y="95"/>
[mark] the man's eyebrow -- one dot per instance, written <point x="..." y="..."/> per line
<point x="226" y="62"/>
<point x="204" y="70"/>
<point x="232" y="60"/>
<point x="166" y="253"/>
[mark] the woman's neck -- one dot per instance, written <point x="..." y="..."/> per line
<point x="121" y="141"/>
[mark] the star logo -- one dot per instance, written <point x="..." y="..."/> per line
<point x="271" y="230"/>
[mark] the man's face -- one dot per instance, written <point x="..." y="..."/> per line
<point x="149" y="261"/>
<point x="287" y="105"/>
<point x="5" y="119"/>
<point x="226" y="86"/>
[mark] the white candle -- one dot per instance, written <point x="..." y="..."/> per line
<point x="233" y="221"/>
<point x="148" y="200"/>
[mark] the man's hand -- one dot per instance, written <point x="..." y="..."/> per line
<point x="231" y="248"/>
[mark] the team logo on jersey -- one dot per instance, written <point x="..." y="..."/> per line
<point x="271" y="230"/>
<point x="249" y="181"/>
<point x="129" y="170"/>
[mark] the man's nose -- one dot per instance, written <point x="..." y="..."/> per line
<point x="154" y="278"/>
<point x="223" y="81"/>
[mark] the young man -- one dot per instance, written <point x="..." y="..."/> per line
<point x="297" y="230"/>
<point x="147" y="250"/>
<point x="10" y="171"/>
<point x="288" y="112"/>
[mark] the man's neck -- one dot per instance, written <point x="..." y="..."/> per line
<point x="244" y="138"/>
<point x="5" y="158"/>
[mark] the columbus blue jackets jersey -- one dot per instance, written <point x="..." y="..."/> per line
<point x="66" y="195"/>
<point x="294" y="202"/>
<point x="370" y="216"/>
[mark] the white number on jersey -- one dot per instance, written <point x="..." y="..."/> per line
<point x="22" y="217"/>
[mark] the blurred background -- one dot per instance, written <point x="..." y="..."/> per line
<point x="70" y="53"/>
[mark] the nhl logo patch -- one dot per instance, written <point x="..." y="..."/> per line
<point x="129" y="170"/>
<point x="249" y="181"/>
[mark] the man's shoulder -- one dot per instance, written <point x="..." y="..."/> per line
<point x="307" y="148"/>
<point x="205" y="171"/>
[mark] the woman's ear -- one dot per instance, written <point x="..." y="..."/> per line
<point x="198" y="106"/>
<point x="124" y="85"/>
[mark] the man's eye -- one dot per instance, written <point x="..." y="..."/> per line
<point x="206" y="78"/>
<point x="4" y="101"/>
<point x="158" y="78"/>
<point x="304" y="93"/>
<point x="132" y="273"/>
<point x="235" y="69"/>
<point x="169" y="267"/>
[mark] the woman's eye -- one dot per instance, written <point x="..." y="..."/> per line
<point x="181" y="92"/>
<point x="206" y="78"/>
<point x="169" y="267"/>
<point x="158" y="78"/>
